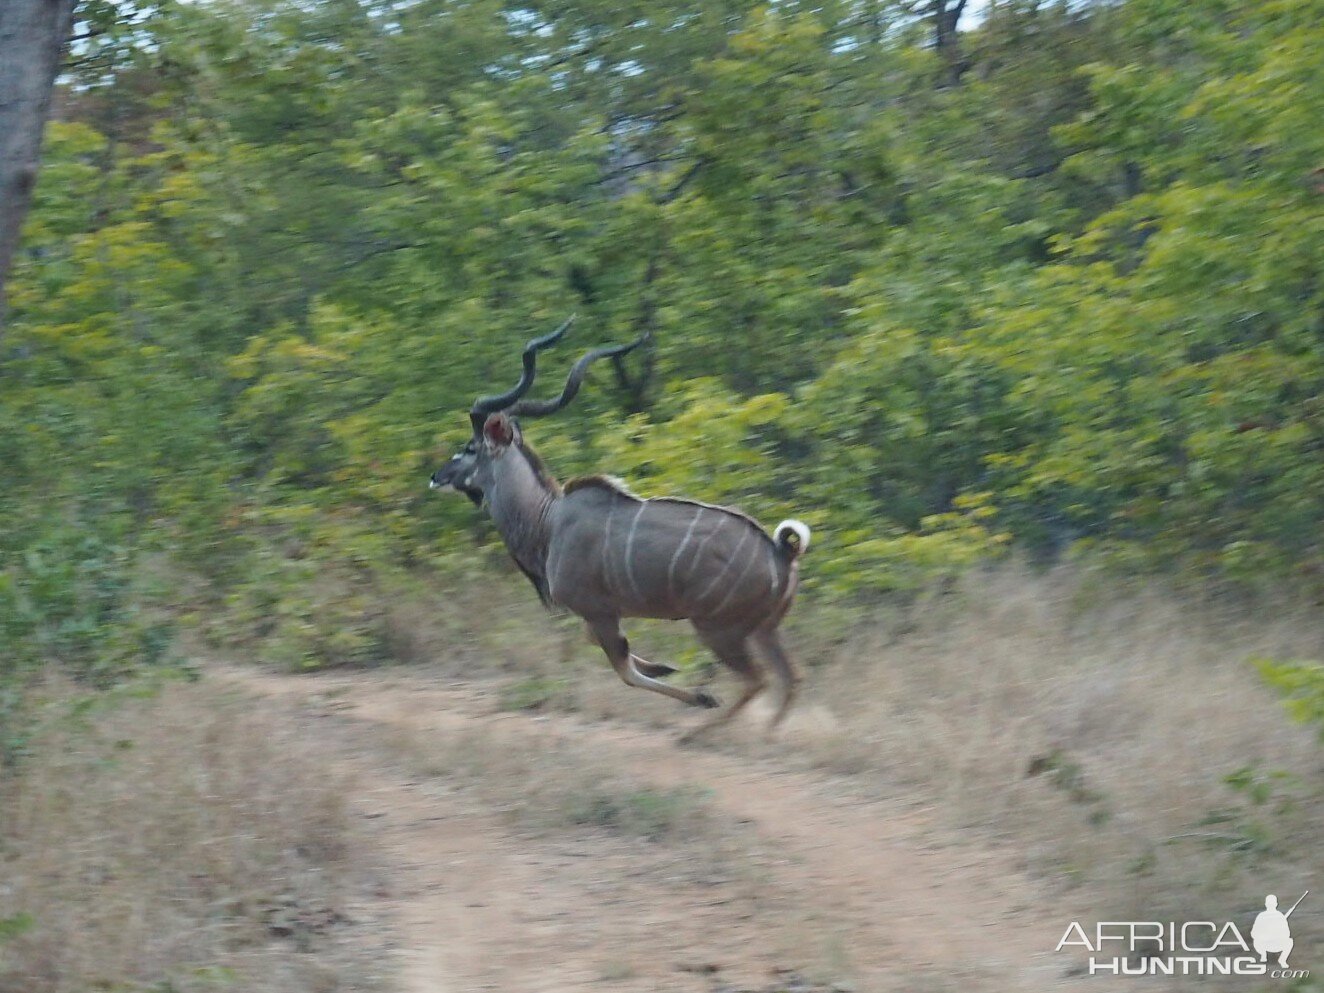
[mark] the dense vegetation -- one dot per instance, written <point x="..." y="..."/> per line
<point x="1052" y="282"/>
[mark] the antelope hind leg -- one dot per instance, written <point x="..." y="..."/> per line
<point x="782" y="666"/>
<point x="657" y="670"/>
<point x="735" y="654"/>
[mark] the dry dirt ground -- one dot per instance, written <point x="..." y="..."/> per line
<point x="784" y="880"/>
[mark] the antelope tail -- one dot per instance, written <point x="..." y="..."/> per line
<point x="792" y="538"/>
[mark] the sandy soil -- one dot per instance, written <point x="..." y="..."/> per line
<point x="803" y="886"/>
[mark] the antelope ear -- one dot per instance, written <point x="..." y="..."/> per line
<point x="499" y="430"/>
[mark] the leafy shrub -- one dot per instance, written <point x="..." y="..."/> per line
<point x="1302" y="684"/>
<point x="75" y="600"/>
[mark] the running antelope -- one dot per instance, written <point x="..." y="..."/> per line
<point x="596" y="549"/>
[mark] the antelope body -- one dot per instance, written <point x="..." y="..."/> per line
<point x="599" y="551"/>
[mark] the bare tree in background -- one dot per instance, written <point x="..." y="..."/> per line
<point x="946" y="40"/>
<point x="33" y="35"/>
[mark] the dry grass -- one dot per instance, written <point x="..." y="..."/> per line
<point x="1093" y="729"/>
<point x="1088" y="725"/>
<point x="657" y="850"/>
<point x="557" y="784"/>
<point x="186" y="841"/>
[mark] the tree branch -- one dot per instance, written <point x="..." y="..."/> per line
<point x="683" y="182"/>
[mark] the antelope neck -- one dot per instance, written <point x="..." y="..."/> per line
<point x="520" y="503"/>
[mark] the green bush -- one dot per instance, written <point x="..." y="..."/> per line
<point x="1302" y="684"/>
<point x="75" y="601"/>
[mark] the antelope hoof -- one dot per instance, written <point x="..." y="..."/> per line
<point x="705" y="699"/>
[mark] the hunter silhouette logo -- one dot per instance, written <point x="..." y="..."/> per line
<point x="1271" y="932"/>
<point x="1193" y="948"/>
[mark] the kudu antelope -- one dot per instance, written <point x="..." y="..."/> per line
<point x="596" y="549"/>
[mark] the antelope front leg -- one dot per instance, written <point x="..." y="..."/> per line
<point x="607" y="633"/>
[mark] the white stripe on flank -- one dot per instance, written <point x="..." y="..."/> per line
<point x="629" y="551"/>
<point x="735" y="584"/>
<point x="606" y="559"/>
<point x="735" y="552"/>
<point x="675" y="556"/>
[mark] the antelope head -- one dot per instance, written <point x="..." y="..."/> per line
<point x="492" y="418"/>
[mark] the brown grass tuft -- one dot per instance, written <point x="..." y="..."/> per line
<point x="562" y="784"/>
<point x="1093" y="728"/>
<point x="177" y="842"/>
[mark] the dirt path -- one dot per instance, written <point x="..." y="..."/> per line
<point x="809" y="882"/>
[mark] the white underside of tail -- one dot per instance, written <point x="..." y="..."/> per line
<point x="791" y="526"/>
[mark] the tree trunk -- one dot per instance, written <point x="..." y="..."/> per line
<point x="945" y="38"/>
<point x="33" y="34"/>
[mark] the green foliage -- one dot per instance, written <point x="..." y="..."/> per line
<point x="12" y="927"/>
<point x="1302" y="683"/>
<point x="1245" y="830"/>
<point x="72" y="599"/>
<point x="1261" y="787"/>
<point x="716" y="444"/>
<point x="1069" y="301"/>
